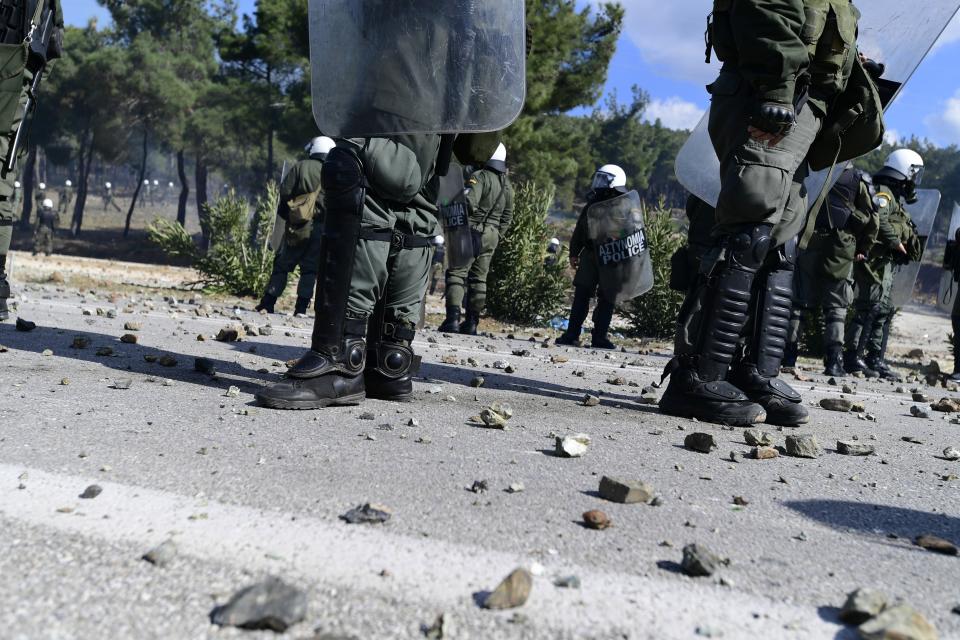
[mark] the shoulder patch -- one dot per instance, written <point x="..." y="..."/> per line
<point x="472" y="181"/>
<point x="882" y="200"/>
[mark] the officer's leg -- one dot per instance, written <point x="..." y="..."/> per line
<point x="456" y="287"/>
<point x="771" y="308"/>
<point x="955" y="323"/>
<point x="805" y="298"/>
<point x="602" y="317"/>
<point x="866" y="298"/>
<point x="282" y="266"/>
<point x="578" y="315"/>
<point x="881" y="323"/>
<point x="309" y="264"/>
<point x="351" y="279"/>
<point x="391" y="362"/>
<point x="477" y="280"/>
<point x="838" y="295"/>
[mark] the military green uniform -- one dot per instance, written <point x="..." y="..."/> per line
<point x="301" y="242"/>
<point x="846" y="227"/>
<point x="874" y="278"/>
<point x="490" y="202"/>
<point x="47" y="221"/>
<point x="783" y="60"/>
<point x="14" y="57"/>
<point x="65" y="199"/>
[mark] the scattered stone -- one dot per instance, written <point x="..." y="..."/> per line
<point x="700" y="442"/>
<point x="911" y="440"/>
<point x="232" y="392"/>
<point x="367" y="514"/>
<point x="757" y="438"/>
<point x="477" y="382"/>
<point x="764" y="453"/>
<point x="230" y="334"/>
<point x="951" y="453"/>
<point x="861" y="605"/>
<point x="803" y="446"/>
<point x="915" y="354"/>
<point x="921" y="397"/>
<point x="572" y="446"/>
<point x="496" y="416"/>
<point x="479" y="486"/>
<point x="513" y="592"/>
<point x="64" y="382"/>
<point x="205" y="366"/>
<point x="91" y="492"/>
<point x="837" y="404"/>
<point x="559" y="359"/>
<point x="167" y="361"/>
<point x="25" y="325"/>
<point x="936" y="544"/>
<point x="270" y="605"/>
<point x="567" y="582"/>
<point x="106" y="352"/>
<point x="47" y="352"/>
<point x="450" y="360"/>
<point x="441" y="628"/>
<point x="698" y="561"/>
<point x="740" y="501"/>
<point x="516" y="487"/>
<point x="162" y="554"/>
<point x="80" y="342"/>
<point x="625" y="491"/>
<point x="128" y="338"/>
<point x="596" y="520"/>
<point x="251" y="329"/>
<point x="947" y="405"/>
<point x="848" y="448"/>
<point x="132" y="326"/>
<point x="901" y="622"/>
<point x="590" y="401"/>
<point x="147" y="358"/>
<point x="617" y="381"/>
<point x="122" y="383"/>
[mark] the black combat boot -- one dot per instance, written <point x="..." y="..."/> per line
<point x="834" y="362"/>
<point x="853" y="362"/>
<point x="391" y="365"/>
<point x="300" y="309"/>
<point x="756" y="374"/>
<point x="4" y="289"/>
<point x="955" y="321"/>
<point x="876" y="364"/>
<point x="790" y="354"/>
<point x="470" y="323"/>
<point x="331" y="373"/>
<point x="452" y="323"/>
<point x="602" y="317"/>
<point x="698" y="387"/>
<point x="267" y="303"/>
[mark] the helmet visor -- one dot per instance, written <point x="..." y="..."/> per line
<point x="602" y="180"/>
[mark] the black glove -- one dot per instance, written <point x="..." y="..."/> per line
<point x="874" y="68"/>
<point x="774" y="117"/>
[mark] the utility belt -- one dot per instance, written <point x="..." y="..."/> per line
<point x="398" y="239"/>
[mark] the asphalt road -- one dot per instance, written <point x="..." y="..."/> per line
<point x="247" y="492"/>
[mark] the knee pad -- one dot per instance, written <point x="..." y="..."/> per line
<point x="748" y="246"/>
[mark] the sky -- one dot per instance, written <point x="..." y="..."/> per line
<point x="661" y="51"/>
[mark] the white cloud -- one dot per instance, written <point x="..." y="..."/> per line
<point x="944" y="126"/>
<point x="673" y="113"/>
<point x="891" y="136"/>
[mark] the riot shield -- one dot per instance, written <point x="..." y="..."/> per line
<point x="893" y="32"/>
<point x="923" y="213"/>
<point x="948" y="285"/>
<point x="455" y="219"/>
<point x="279" y="224"/>
<point x="619" y="239"/>
<point x="382" y="67"/>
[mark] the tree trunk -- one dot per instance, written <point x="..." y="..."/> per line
<point x="143" y="172"/>
<point x="86" y="164"/>
<point x="184" y="189"/>
<point x="29" y="171"/>
<point x="200" y="173"/>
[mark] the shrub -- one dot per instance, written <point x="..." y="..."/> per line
<point x="521" y="287"/>
<point x="239" y="260"/>
<point x="654" y="314"/>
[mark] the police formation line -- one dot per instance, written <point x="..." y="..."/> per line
<point x="410" y="158"/>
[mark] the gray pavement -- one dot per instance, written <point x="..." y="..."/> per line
<point x="246" y="492"/>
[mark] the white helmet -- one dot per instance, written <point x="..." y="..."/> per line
<point x="48" y="204"/>
<point x="68" y="183"/>
<point x="108" y="185"/>
<point x="320" y="146"/>
<point x="146" y="182"/>
<point x="156" y="183"/>
<point x="554" y="242"/>
<point x="170" y="185"/>
<point x="438" y="240"/>
<point x="904" y="164"/>
<point x="42" y="185"/>
<point x="500" y="154"/>
<point x="16" y="184"/>
<point x="609" y="176"/>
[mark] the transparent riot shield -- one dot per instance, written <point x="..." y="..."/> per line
<point x="279" y="224"/>
<point x="382" y="67"/>
<point x="619" y="238"/>
<point x="923" y="213"/>
<point x="455" y="219"/>
<point x="947" y="233"/>
<point x="893" y="32"/>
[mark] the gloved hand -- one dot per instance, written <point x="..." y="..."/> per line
<point x="774" y="118"/>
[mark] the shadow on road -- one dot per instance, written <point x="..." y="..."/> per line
<point x="878" y="519"/>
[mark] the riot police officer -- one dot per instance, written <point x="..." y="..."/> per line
<point x="66" y="197"/>
<point x="490" y="204"/>
<point x="846" y="228"/>
<point x="301" y="206"/>
<point x="36" y="37"/>
<point x="775" y="88"/>
<point x="897" y="244"/>
<point x="610" y="181"/>
<point x="47" y="221"/>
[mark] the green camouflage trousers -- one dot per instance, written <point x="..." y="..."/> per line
<point x="473" y="277"/>
<point x="872" y="301"/>
<point x="815" y="289"/>
<point x="7" y="205"/>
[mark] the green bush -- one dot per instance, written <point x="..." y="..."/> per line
<point x="654" y="314"/>
<point x="521" y="287"/>
<point x="239" y="260"/>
